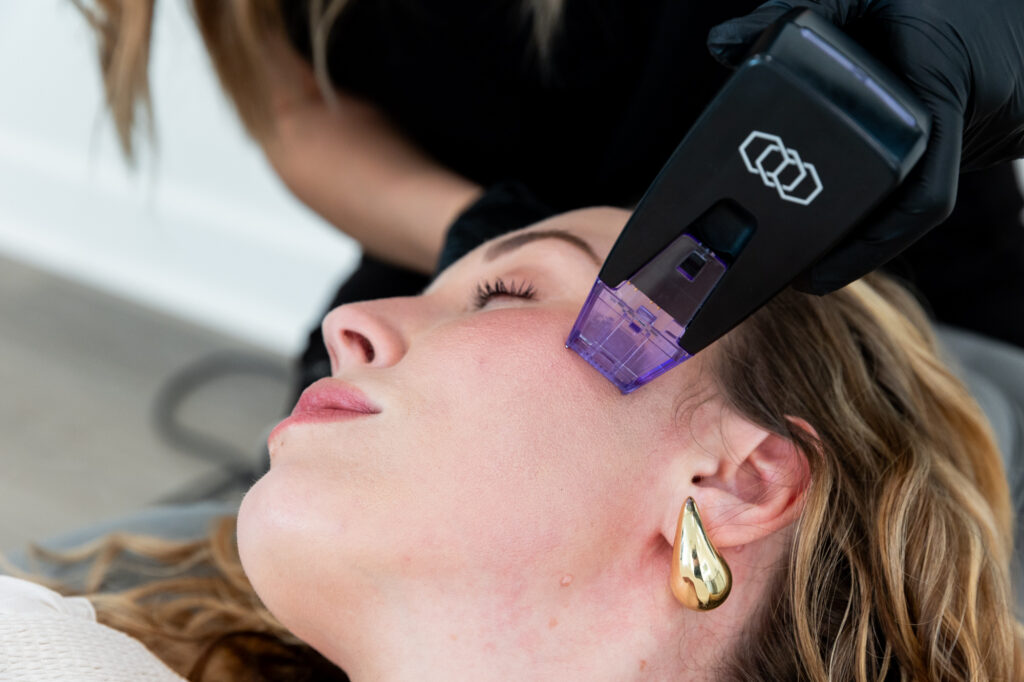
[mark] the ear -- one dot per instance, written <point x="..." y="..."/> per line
<point x="748" y="482"/>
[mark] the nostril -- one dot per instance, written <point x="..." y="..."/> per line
<point x="361" y="342"/>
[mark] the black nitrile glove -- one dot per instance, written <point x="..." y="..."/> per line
<point x="964" y="59"/>
<point x="504" y="207"/>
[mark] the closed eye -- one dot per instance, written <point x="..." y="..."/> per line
<point x="487" y="290"/>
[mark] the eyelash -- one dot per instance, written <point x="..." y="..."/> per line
<point x="487" y="290"/>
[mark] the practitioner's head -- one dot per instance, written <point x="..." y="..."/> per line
<point x="505" y="503"/>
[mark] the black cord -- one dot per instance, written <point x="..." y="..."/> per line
<point x="236" y="465"/>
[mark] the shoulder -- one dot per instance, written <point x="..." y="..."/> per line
<point x="48" y="636"/>
<point x="19" y="596"/>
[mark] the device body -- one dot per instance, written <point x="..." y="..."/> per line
<point x="804" y="139"/>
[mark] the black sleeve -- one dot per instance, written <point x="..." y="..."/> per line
<point x="970" y="269"/>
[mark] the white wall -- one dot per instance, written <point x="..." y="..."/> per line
<point x="203" y="230"/>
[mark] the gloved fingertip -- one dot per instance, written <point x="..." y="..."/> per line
<point x="729" y="41"/>
<point x="729" y="56"/>
<point x="728" y="33"/>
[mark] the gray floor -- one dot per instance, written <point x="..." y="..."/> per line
<point x="80" y="372"/>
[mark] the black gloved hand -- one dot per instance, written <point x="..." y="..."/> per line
<point x="503" y="207"/>
<point x="964" y="59"/>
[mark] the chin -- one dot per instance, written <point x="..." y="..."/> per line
<point x="272" y="558"/>
<point x="251" y="541"/>
<point x="261" y="547"/>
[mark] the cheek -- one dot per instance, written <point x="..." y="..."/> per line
<point x="516" y="436"/>
<point x="515" y="354"/>
<point x="508" y="384"/>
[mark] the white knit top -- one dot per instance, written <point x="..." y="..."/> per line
<point x="44" y="636"/>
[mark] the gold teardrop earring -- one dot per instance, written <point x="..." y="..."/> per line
<point x="701" y="579"/>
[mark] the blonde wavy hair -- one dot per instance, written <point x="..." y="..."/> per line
<point x="901" y="560"/>
<point x="900" y="563"/>
<point x="236" y="34"/>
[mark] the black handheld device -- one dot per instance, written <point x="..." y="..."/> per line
<point x="804" y="139"/>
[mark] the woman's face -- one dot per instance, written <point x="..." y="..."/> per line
<point x="497" y="464"/>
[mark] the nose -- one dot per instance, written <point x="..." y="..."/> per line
<point x="363" y="335"/>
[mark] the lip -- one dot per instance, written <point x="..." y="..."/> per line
<point x="328" y="400"/>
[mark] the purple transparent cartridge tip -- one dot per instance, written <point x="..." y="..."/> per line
<point x="624" y="335"/>
<point x="628" y="337"/>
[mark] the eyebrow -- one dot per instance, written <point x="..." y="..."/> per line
<point x="516" y="241"/>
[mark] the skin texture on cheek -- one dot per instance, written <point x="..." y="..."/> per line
<point x="505" y="448"/>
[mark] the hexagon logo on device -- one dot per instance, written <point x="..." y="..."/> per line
<point x="780" y="167"/>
